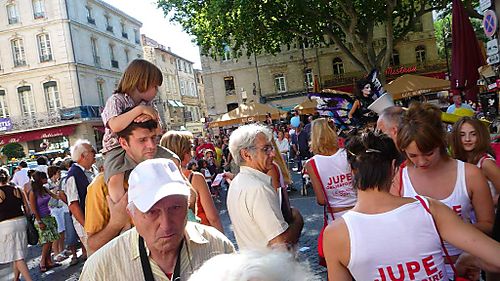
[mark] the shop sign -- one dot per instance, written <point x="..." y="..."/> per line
<point x="490" y="23"/>
<point x="37" y="134"/>
<point x="484" y="4"/>
<point x="5" y="124"/>
<point x="400" y="70"/>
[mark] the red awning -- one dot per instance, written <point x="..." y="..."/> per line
<point x="37" y="134"/>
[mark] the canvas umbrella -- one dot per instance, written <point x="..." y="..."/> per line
<point x="410" y="85"/>
<point x="308" y="106"/>
<point x="466" y="55"/>
<point x="244" y="113"/>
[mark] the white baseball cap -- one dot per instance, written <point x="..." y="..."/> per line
<point x="153" y="180"/>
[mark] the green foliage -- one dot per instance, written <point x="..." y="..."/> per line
<point x="13" y="150"/>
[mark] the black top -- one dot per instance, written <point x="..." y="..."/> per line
<point x="10" y="207"/>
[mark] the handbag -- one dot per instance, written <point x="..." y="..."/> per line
<point x="447" y="256"/>
<point x="31" y="230"/>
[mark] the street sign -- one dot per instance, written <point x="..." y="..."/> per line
<point x="492" y="47"/>
<point x="493" y="59"/>
<point x="490" y="23"/>
<point x="484" y="4"/>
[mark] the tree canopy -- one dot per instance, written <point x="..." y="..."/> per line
<point x="256" y="26"/>
<point x="13" y="150"/>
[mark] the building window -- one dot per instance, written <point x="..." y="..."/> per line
<point x="114" y="62"/>
<point x="229" y="85"/>
<point x="12" y="14"/>
<point x="395" y="58"/>
<point x="183" y="88"/>
<point x="338" y="66"/>
<point x="309" y="79"/>
<point x="44" y="47"/>
<point x="4" y="109"/>
<point x="90" y="18"/>
<point x="124" y="31"/>
<point x="52" y="97"/>
<point x="280" y="83"/>
<point x="38" y="9"/>
<point x="109" y="27"/>
<point x="27" y="101"/>
<point x="18" y="52"/>
<point x="100" y="92"/>
<point x="136" y="36"/>
<point x="127" y="55"/>
<point x="95" y="54"/>
<point x="193" y="90"/>
<point x="420" y="54"/>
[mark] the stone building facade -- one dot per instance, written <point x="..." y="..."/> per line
<point x="285" y="79"/>
<point x="59" y="62"/>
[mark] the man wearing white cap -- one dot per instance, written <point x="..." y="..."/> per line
<point x="162" y="245"/>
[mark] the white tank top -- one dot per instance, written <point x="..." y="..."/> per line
<point x="401" y="244"/>
<point x="458" y="200"/>
<point x="335" y="175"/>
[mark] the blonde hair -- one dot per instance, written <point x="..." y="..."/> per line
<point x="323" y="137"/>
<point x="141" y="75"/>
<point x="177" y="141"/>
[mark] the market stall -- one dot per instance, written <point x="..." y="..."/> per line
<point x="408" y="86"/>
<point x="246" y="113"/>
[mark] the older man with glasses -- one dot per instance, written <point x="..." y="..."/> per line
<point x="162" y="245"/>
<point x="252" y="202"/>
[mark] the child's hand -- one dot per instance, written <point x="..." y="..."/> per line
<point x="142" y="118"/>
<point x="148" y="110"/>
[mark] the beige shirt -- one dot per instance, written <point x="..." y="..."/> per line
<point x="120" y="259"/>
<point x="254" y="209"/>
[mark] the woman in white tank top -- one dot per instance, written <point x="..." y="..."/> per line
<point x="429" y="171"/>
<point x="387" y="237"/>
<point x="470" y="142"/>
<point x="330" y="174"/>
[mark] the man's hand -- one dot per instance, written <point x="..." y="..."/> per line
<point x="118" y="211"/>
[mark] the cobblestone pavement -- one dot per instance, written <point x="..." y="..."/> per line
<point x="307" y="248"/>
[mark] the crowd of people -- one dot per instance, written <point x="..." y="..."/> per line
<point x="404" y="201"/>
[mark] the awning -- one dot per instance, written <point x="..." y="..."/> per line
<point x="38" y="134"/>
<point x="179" y="103"/>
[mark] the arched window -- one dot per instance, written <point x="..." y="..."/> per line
<point x="338" y="66"/>
<point x="18" y="52"/>
<point x="52" y="97"/>
<point x="27" y="101"/>
<point x="395" y="58"/>
<point x="420" y="54"/>
<point x="44" y="47"/>
<point x="4" y="109"/>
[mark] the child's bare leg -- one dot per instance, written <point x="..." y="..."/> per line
<point x="115" y="187"/>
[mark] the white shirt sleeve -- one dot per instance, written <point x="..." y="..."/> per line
<point x="20" y="178"/>
<point x="70" y="190"/>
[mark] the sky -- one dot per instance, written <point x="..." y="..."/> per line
<point x="157" y="27"/>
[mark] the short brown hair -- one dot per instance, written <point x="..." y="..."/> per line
<point x="125" y="133"/>
<point x="422" y="124"/>
<point x="482" y="145"/>
<point x="141" y="75"/>
<point x="177" y="141"/>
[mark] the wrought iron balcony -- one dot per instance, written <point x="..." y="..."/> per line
<point x="109" y="28"/>
<point x="13" y="20"/>
<point x="90" y="20"/>
<point x="54" y="118"/>
<point x="125" y="35"/>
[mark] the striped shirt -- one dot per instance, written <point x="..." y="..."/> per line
<point x="120" y="259"/>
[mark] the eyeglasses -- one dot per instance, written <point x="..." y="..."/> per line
<point x="268" y="149"/>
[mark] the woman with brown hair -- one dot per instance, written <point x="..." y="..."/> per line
<point x="429" y="171"/>
<point x="13" y="239"/>
<point x="180" y="143"/>
<point x="470" y="142"/>
<point x="45" y="224"/>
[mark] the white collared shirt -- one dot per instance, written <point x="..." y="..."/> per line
<point x="254" y="208"/>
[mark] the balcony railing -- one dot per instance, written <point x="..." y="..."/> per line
<point x="90" y="20"/>
<point x="230" y="92"/>
<point x="39" y="15"/>
<point x="125" y="35"/>
<point x="114" y="63"/>
<point x="60" y="117"/>
<point x="19" y="62"/>
<point x="97" y="61"/>
<point x="109" y="28"/>
<point x="46" y="58"/>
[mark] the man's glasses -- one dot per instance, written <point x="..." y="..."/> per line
<point x="266" y="149"/>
